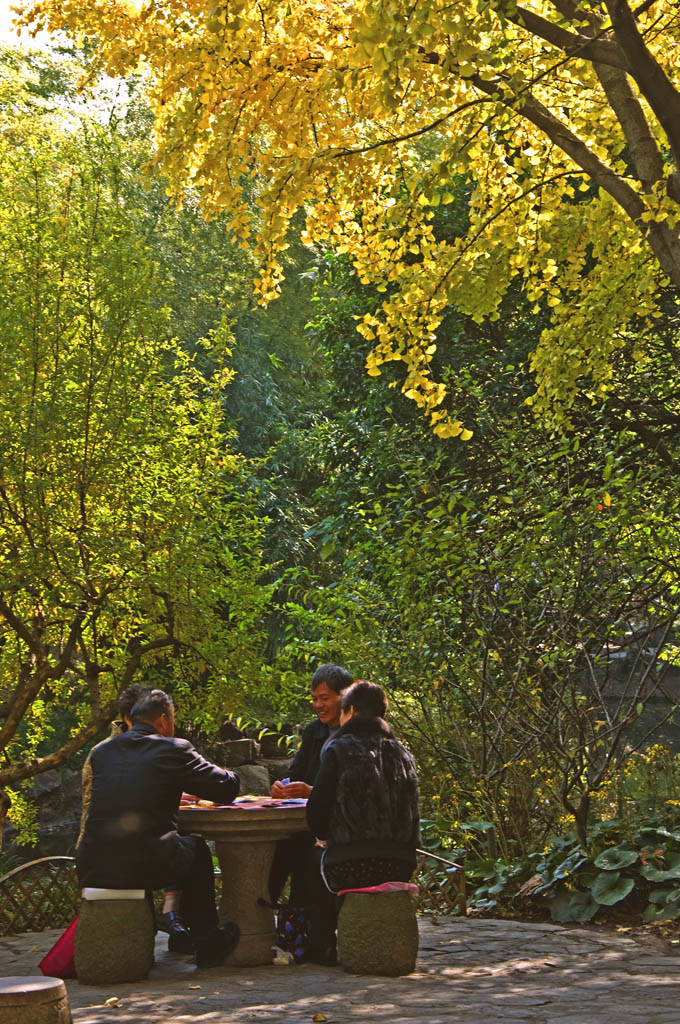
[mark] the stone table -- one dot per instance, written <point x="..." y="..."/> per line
<point x="245" y="838"/>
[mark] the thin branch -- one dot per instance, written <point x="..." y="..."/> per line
<point x="410" y="135"/>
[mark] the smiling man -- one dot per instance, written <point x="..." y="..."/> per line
<point x="328" y="683"/>
<point x="298" y="856"/>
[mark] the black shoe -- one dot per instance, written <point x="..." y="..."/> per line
<point x="327" y="957"/>
<point x="179" y="939"/>
<point x="214" y="951"/>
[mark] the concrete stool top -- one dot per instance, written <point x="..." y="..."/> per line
<point x="18" y="991"/>
<point x="91" y="893"/>
<point x="34" y="1000"/>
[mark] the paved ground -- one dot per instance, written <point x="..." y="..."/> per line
<point x="472" y="972"/>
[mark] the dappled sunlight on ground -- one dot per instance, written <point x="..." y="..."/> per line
<point x="477" y="971"/>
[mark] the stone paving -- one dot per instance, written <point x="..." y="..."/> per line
<point x="469" y="971"/>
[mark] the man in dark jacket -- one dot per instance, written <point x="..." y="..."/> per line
<point x="130" y="838"/>
<point x="298" y="856"/>
<point x="328" y="683"/>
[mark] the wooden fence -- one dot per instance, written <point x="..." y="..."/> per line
<point x="44" y="893"/>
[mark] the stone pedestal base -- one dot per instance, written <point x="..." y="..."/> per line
<point x="245" y="876"/>
<point x="114" y="941"/>
<point x="378" y="934"/>
<point x="34" y="1000"/>
<point x="245" y="840"/>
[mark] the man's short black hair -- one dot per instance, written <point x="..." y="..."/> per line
<point x="334" y="676"/>
<point x="366" y="698"/>
<point x="129" y="698"/>
<point x="151" y="705"/>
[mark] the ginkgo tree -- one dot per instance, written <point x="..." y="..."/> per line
<point x="563" y="117"/>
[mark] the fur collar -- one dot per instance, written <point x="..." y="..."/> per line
<point x="362" y="725"/>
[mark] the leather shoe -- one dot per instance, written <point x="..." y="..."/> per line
<point x="179" y="937"/>
<point x="214" y="951"/>
<point x="328" y="957"/>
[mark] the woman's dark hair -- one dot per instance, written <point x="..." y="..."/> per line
<point x="366" y="699"/>
<point x="151" y="705"/>
<point x="128" y="699"/>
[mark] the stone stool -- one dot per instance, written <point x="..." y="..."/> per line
<point x="34" y="1000"/>
<point x="115" y="937"/>
<point x="378" y="933"/>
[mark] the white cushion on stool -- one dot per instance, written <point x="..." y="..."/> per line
<point x="91" y="893"/>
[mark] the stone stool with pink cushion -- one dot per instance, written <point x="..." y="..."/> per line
<point x="378" y="930"/>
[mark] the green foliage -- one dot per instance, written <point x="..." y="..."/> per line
<point x="635" y="871"/>
<point x="517" y="595"/>
<point x="24" y="816"/>
<point x="129" y="544"/>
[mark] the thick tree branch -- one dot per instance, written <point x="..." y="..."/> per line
<point x="35" y="766"/>
<point x="664" y="243"/>
<point x="654" y="84"/>
<point x="26" y="693"/>
<point x="603" y="51"/>
<point x="529" y="107"/>
<point x="644" y="153"/>
<point x="22" y="630"/>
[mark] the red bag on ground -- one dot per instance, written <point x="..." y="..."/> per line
<point x="59" y="962"/>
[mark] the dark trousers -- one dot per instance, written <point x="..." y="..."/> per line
<point x="183" y="862"/>
<point x="300" y="859"/>
<point x="197" y="883"/>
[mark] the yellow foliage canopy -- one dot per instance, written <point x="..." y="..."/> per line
<point x="563" y="116"/>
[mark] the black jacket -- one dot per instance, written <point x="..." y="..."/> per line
<point x="365" y="799"/>
<point x="305" y="766"/>
<point x="130" y="837"/>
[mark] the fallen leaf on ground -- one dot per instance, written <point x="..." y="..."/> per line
<point x="34" y="949"/>
<point x="319" y="1016"/>
<point x="193" y="986"/>
<point x="112" y="1001"/>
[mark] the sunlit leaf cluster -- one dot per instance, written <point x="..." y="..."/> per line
<point x="560" y="115"/>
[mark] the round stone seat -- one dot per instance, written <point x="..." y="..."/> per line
<point x="114" y="940"/>
<point x="34" y="1000"/>
<point x="378" y="933"/>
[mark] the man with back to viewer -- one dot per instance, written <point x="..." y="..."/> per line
<point x="299" y="856"/>
<point x="170" y="921"/>
<point x="130" y="838"/>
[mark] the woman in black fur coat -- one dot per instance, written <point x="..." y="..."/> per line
<point x="364" y="803"/>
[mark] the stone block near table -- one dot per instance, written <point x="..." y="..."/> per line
<point x="378" y="934"/>
<point x="34" y="1000"/>
<point x="254" y="779"/>
<point x="114" y="940"/>
<point x="275" y="744"/>
<point x="277" y="767"/>
<point x="230" y="731"/>
<point x="233" y="753"/>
